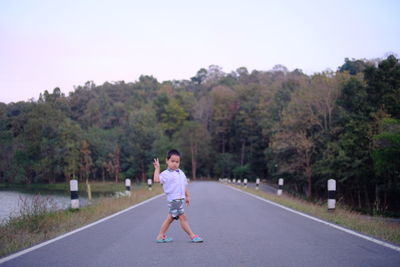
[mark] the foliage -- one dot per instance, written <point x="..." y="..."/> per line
<point x="269" y="124"/>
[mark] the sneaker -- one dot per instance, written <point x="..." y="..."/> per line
<point x="197" y="239"/>
<point x="164" y="240"/>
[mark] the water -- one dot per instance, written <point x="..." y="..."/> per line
<point x="11" y="202"/>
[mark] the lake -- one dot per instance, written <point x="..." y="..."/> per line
<point x="12" y="201"/>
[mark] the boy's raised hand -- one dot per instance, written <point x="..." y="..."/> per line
<point x="156" y="177"/>
<point x="156" y="164"/>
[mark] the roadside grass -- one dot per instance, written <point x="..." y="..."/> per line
<point x="374" y="226"/>
<point x="38" y="222"/>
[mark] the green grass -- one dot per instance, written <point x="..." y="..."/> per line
<point x="38" y="224"/>
<point x="375" y="226"/>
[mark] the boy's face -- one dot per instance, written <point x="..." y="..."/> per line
<point x="173" y="162"/>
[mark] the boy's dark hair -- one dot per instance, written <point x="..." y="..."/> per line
<point x="173" y="152"/>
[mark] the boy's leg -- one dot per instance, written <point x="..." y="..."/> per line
<point x="165" y="226"/>
<point x="185" y="225"/>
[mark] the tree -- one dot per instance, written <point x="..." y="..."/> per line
<point x="383" y="86"/>
<point x="39" y="140"/>
<point x="386" y="153"/>
<point x="193" y="139"/>
<point x="92" y="116"/>
<point x="86" y="162"/>
<point x="316" y="101"/>
<point x="214" y="73"/>
<point x="139" y="136"/>
<point x="325" y="90"/>
<point x="354" y="66"/>
<point x="386" y="158"/>
<point x="203" y="111"/>
<point x="225" y="105"/>
<point x="246" y="123"/>
<point x="301" y="148"/>
<point x="294" y="142"/>
<point x="173" y="117"/>
<point x="201" y="75"/>
<point x="224" y="165"/>
<point x="113" y="164"/>
<point x="6" y="142"/>
<point x="102" y="144"/>
<point x="70" y="136"/>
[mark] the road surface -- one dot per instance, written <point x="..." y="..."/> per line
<point x="263" y="187"/>
<point x="238" y="229"/>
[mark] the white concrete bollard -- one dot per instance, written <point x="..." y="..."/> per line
<point x="280" y="186"/>
<point x="331" y="194"/>
<point x="257" y="183"/>
<point x="150" y="183"/>
<point x="234" y="181"/>
<point x="239" y="182"/>
<point x="73" y="185"/>
<point x="128" y="186"/>
<point x="245" y="182"/>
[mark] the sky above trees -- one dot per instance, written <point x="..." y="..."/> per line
<point x="48" y="44"/>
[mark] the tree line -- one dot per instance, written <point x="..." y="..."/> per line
<point x="342" y="124"/>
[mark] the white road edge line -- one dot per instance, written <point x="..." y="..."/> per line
<point x="385" y="244"/>
<point x="12" y="256"/>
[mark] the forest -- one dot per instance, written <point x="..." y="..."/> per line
<point x="342" y="125"/>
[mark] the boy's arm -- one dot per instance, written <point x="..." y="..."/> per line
<point x="156" y="176"/>
<point x="187" y="196"/>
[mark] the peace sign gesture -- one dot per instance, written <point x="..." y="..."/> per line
<point x="156" y="177"/>
<point x="156" y="164"/>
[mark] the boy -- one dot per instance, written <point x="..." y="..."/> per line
<point x="174" y="184"/>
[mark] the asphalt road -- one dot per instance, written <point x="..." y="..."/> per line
<point x="239" y="230"/>
<point x="263" y="187"/>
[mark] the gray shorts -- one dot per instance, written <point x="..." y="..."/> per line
<point x="176" y="207"/>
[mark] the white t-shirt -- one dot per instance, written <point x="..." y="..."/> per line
<point x="174" y="183"/>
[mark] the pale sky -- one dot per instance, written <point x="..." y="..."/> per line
<point x="58" y="43"/>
